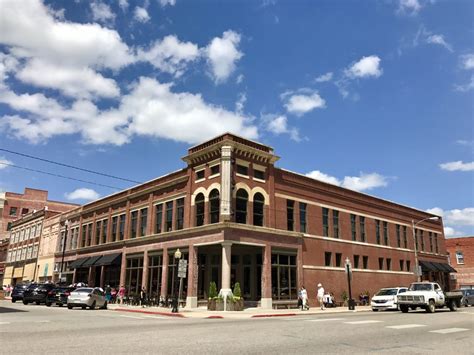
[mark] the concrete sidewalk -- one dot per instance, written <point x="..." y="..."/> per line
<point x="203" y="313"/>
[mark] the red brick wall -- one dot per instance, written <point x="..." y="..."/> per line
<point x="465" y="272"/>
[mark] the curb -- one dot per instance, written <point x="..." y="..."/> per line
<point x="176" y="315"/>
<point x="215" y="317"/>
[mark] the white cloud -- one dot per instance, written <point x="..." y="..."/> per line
<point x="454" y="220"/>
<point x="324" y="78"/>
<point x="439" y="39"/>
<point x="141" y="14"/>
<point x="101" y="12"/>
<point x="365" y="67"/>
<point x="240" y="79"/>
<point x="239" y="105"/>
<point x="302" y="101"/>
<point x="123" y="4"/>
<point x="450" y="232"/>
<point x="278" y="124"/>
<point x="163" y="3"/>
<point x="82" y="194"/>
<point x="222" y="54"/>
<point x="465" y="87"/>
<point x="3" y="162"/>
<point x="411" y="7"/>
<point x="467" y="61"/>
<point x="425" y="36"/>
<point x="457" y="166"/>
<point x="170" y="55"/>
<point x="465" y="143"/>
<point x="363" y="182"/>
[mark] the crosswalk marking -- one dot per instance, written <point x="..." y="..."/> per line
<point x="405" y="326"/>
<point x="42" y="321"/>
<point x="324" y="319"/>
<point x="448" y="330"/>
<point x="122" y="315"/>
<point x="364" y="322"/>
<point x="156" y="317"/>
<point x="5" y="323"/>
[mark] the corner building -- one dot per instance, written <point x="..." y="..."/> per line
<point x="237" y="218"/>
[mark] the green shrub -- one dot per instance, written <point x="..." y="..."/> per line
<point x="344" y="296"/>
<point x="237" y="292"/>
<point x="212" y="290"/>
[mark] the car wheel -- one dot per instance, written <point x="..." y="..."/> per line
<point x="13" y="301"/>
<point x="404" y="308"/>
<point x="431" y="308"/>
<point x="48" y="304"/>
<point x="69" y="307"/>
<point x="25" y="302"/>
<point x="375" y="310"/>
<point x="453" y="307"/>
<point x="92" y="305"/>
<point x="83" y="307"/>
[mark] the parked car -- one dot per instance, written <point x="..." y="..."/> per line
<point x="58" y="295"/>
<point x="467" y="297"/>
<point x="387" y="298"/>
<point x="17" y="292"/>
<point x="87" y="297"/>
<point x="37" y="293"/>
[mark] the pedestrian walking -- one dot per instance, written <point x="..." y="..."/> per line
<point x="143" y="297"/>
<point x="108" y="293"/>
<point x="321" y="296"/>
<point x="121" y="294"/>
<point x="304" y="299"/>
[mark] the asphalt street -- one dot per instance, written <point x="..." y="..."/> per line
<point x="37" y="329"/>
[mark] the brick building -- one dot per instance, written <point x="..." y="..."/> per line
<point x="15" y="205"/>
<point x="461" y="257"/>
<point x="237" y="217"/>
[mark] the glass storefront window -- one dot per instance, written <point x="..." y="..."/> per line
<point x="284" y="276"/>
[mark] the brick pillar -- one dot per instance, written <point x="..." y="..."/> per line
<point x="266" y="300"/>
<point x="191" y="299"/>
<point x="151" y="216"/>
<point x="94" y="230"/>
<point x="207" y="210"/>
<point x="91" y="278"/>
<point x="164" y="274"/>
<point x="74" y="274"/>
<point x="123" y="268"/>
<point x="127" y="222"/>
<point x="145" y="270"/>
<point x="102" y="276"/>
<point x="109" y="226"/>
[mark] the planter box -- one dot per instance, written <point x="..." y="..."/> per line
<point x="211" y="305"/>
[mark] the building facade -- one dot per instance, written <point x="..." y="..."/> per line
<point x="237" y="218"/>
<point x="461" y="257"/>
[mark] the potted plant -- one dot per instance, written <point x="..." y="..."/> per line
<point x="344" y="297"/>
<point x="219" y="303"/>
<point x="212" y="300"/>
<point x="238" y="301"/>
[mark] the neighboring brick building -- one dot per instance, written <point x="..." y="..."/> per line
<point x="461" y="257"/>
<point x="237" y="217"/>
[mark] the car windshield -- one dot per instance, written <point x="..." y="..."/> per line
<point x="387" y="292"/>
<point x="421" y="287"/>
<point x="84" y="290"/>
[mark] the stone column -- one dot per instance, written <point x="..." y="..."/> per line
<point x="91" y="278"/>
<point x="226" y="186"/>
<point x="164" y="274"/>
<point x="266" y="300"/>
<point x="145" y="270"/>
<point x="123" y="269"/>
<point x="226" y="268"/>
<point x="74" y="274"/>
<point x="102" y="276"/>
<point x="191" y="298"/>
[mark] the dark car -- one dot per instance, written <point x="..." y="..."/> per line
<point x="37" y="293"/>
<point x="467" y="297"/>
<point x="58" y="295"/>
<point x="17" y="292"/>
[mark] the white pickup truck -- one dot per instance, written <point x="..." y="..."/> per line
<point x="428" y="295"/>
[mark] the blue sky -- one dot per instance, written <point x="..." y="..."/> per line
<point x="375" y="96"/>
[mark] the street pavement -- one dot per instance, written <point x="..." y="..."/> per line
<point x="38" y="329"/>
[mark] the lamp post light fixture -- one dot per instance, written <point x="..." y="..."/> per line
<point x="61" y="267"/>
<point x="348" y="266"/>
<point x="177" y="256"/>
<point x="415" y="242"/>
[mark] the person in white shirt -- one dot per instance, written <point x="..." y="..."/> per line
<point x="304" y="298"/>
<point x="321" y="296"/>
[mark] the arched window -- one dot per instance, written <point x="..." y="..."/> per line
<point x="241" y="206"/>
<point x="258" y="203"/>
<point x="199" y="202"/>
<point x="214" y="206"/>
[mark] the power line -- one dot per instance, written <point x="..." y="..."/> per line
<point x="69" y="166"/>
<point x="61" y="176"/>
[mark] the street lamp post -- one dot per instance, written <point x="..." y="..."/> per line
<point x="177" y="256"/>
<point x="413" y="226"/>
<point x="351" y="303"/>
<point x="61" y="267"/>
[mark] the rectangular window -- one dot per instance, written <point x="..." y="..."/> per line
<point x="389" y="264"/>
<point x="158" y="218"/>
<point x="377" y="231"/>
<point x="169" y="216"/>
<point x="399" y="244"/>
<point x="143" y="221"/>
<point x="416" y="240"/>
<point x="200" y="174"/>
<point x="362" y="228"/>
<point x="327" y="258"/>
<point x="89" y="234"/>
<point x="215" y="169"/>
<point x="325" y="222"/>
<point x="335" y="223"/>
<point x="122" y="227"/>
<point x="242" y="170"/>
<point x="365" y="261"/>
<point x="353" y="227"/>
<point x="408" y="265"/>
<point x="133" y="224"/>
<point x="290" y="206"/>
<point x="24" y="211"/>
<point x="180" y="213"/>
<point x="98" y="228"/>
<point x="380" y="263"/>
<point x="13" y="211"/>
<point x="431" y="241"/>
<point x="401" y="265"/>
<point x="436" y="242"/>
<point x="302" y="217"/>
<point x="356" y="261"/>
<point x="422" y="239"/>
<point x="459" y="257"/>
<point x="385" y="233"/>
<point x="405" y="238"/>
<point x="104" y="231"/>
<point x="338" y="259"/>
<point x="29" y="254"/>
<point x="114" y="228"/>
<point x="258" y="174"/>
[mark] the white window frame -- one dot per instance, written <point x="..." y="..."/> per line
<point x="459" y="257"/>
